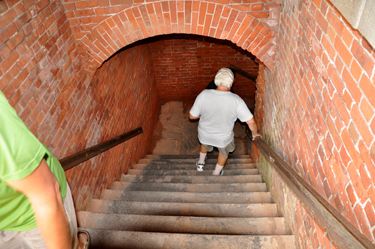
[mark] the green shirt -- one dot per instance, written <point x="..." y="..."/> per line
<point x="20" y="154"/>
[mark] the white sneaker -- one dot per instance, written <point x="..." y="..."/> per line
<point x="200" y="166"/>
<point x="220" y="173"/>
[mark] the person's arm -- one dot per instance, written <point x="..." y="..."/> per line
<point x="253" y="127"/>
<point x="192" y="117"/>
<point x="42" y="189"/>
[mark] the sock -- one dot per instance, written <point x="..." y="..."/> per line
<point x="202" y="157"/>
<point x="217" y="170"/>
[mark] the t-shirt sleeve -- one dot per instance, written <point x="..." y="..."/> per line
<point x="243" y="111"/>
<point x="196" y="109"/>
<point x="20" y="151"/>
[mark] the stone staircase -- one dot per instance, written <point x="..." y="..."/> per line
<point x="165" y="203"/>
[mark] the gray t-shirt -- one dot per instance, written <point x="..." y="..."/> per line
<point x="219" y="111"/>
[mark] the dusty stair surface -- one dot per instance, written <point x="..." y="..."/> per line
<point x="164" y="202"/>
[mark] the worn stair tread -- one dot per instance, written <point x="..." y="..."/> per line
<point x="190" y="187"/>
<point x="184" y="209"/>
<point x="188" y="197"/>
<point x="192" y="166"/>
<point x="192" y="179"/>
<point x="191" y="172"/>
<point x="110" y="239"/>
<point x="193" y="160"/>
<point x="183" y="224"/>
<point x="209" y="156"/>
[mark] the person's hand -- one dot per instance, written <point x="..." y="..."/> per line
<point x="255" y="135"/>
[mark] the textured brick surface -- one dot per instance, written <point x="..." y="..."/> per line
<point x="42" y="76"/>
<point x="317" y="113"/>
<point x="316" y="105"/>
<point x="122" y="98"/>
<point x="121" y="25"/>
<point x="184" y="67"/>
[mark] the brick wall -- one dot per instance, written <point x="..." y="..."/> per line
<point x="43" y="77"/>
<point x="103" y="27"/>
<point x="123" y="97"/>
<point x="319" y="113"/>
<point x="39" y="73"/>
<point x="184" y="67"/>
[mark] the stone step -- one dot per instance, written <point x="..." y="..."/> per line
<point x="210" y="167"/>
<point x="109" y="239"/>
<point x="183" y="209"/>
<point x="191" y="179"/>
<point x="183" y="224"/>
<point x="192" y="160"/>
<point x="209" y="156"/>
<point x="187" y="197"/>
<point x="191" y="172"/>
<point x="191" y="187"/>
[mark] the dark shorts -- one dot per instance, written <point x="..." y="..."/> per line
<point x="224" y="151"/>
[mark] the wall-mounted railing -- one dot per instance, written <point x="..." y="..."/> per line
<point x="77" y="158"/>
<point x="242" y="72"/>
<point x="345" y="235"/>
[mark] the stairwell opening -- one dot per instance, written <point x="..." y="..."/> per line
<point x="179" y="67"/>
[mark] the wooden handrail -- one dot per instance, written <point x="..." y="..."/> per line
<point x="79" y="157"/>
<point x="345" y="235"/>
<point x="242" y="72"/>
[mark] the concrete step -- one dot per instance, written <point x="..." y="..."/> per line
<point x="183" y="209"/>
<point x="210" y="167"/>
<point x="209" y="156"/>
<point x="191" y="187"/>
<point x="187" y="197"/>
<point x="191" y="179"/>
<point x="192" y="160"/>
<point x="183" y="224"/>
<point x="191" y="172"/>
<point x="105" y="239"/>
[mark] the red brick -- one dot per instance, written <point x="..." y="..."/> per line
<point x="366" y="109"/>
<point x="9" y="61"/>
<point x="272" y="7"/>
<point x="336" y="80"/>
<point x="258" y="14"/>
<point x="339" y="64"/>
<point x="344" y="53"/>
<point x="363" y="222"/>
<point x="353" y="133"/>
<point x="372" y="194"/>
<point x="3" y="7"/>
<point x="365" y="177"/>
<point x="331" y="34"/>
<point x="329" y="48"/>
<point x="356" y="70"/>
<point x="347" y="37"/>
<point x="84" y="12"/>
<point x="357" y="159"/>
<point x="91" y="3"/>
<point x="357" y="184"/>
<point x="341" y="108"/>
<point x="369" y="209"/>
<point x="352" y="86"/>
<point x="335" y="21"/>
<point x="361" y="125"/>
<point x="256" y="7"/>
<point x="321" y="21"/>
<point x="202" y="13"/>
<point x="368" y="88"/>
<point x="7" y="18"/>
<point x="365" y="60"/>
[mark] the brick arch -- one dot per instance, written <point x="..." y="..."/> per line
<point x="169" y="17"/>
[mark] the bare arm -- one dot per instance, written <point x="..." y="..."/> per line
<point x="253" y="127"/>
<point x="192" y="117"/>
<point x="42" y="189"/>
